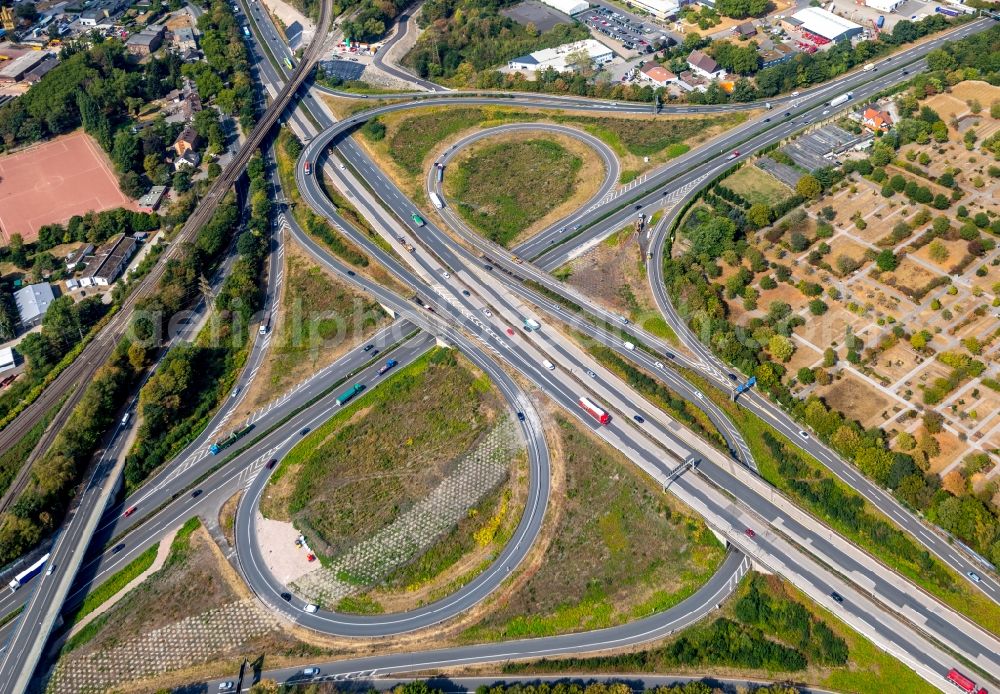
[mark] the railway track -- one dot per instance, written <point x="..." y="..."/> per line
<point x="83" y="368"/>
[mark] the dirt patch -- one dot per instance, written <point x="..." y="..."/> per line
<point x="227" y="517"/>
<point x="50" y="182"/>
<point x="758" y="186"/>
<point x="955" y="104"/>
<point x="896" y="362"/>
<point x="856" y="399"/>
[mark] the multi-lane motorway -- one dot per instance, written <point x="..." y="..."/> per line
<point x="472" y="308"/>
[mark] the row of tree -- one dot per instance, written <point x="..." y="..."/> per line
<point x="464" y="37"/>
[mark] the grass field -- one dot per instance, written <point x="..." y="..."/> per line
<point x="765" y="625"/>
<point x="620" y="550"/>
<point x="417" y="135"/>
<point x="505" y="187"/>
<point x="321" y="318"/>
<point x="12" y="459"/>
<point x="668" y="137"/>
<point x="955" y="593"/>
<point x="373" y="460"/>
<point x="757" y="186"/>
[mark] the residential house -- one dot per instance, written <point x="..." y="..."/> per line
<point x="657" y="74"/>
<point x="146" y="41"/>
<point x="187" y="141"/>
<point x="876" y="121"/>
<point x="745" y="30"/>
<point x="189" y="160"/>
<point x="704" y="65"/>
<point x="185" y="39"/>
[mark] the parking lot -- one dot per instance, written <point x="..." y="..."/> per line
<point x="632" y="33"/>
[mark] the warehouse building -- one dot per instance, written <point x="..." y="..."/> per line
<point x="819" y="22"/>
<point x="884" y="5"/>
<point x="570" y="7"/>
<point x="32" y="303"/>
<point x="560" y="57"/>
<point x="18" y="68"/>
<point x="661" y="9"/>
<point x="110" y="261"/>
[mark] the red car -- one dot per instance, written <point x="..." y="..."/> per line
<point x="271" y="463"/>
<point x="129" y="512"/>
<point x="750" y="533"/>
<point x="510" y="331"/>
<point x="311" y="557"/>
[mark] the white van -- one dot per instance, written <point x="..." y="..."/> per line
<point x="263" y="329"/>
<point x="128" y="416"/>
<point x="548" y="365"/>
<point x="311" y="608"/>
<point x="630" y="346"/>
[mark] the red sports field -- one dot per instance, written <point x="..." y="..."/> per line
<point x="53" y="181"/>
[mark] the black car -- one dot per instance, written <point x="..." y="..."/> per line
<point x="732" y="377"/>
<point x="671" y="355"/>
<point x="638" y="207"/>
<point x="369" y="348"/>
<point x="305" y="430"/>
<point x="639" y="418"/>
<point x="287" y="597"/>
<point x="118" y="548"/>
<point x="520" y="416"/>
<point x="351" y="273"/>
<point x="196" y="493"/>
<point x="465" y="292"/>
<point x="837" y="596"/>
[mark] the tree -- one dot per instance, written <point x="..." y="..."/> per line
<point x="808" y="187"/>
<point x="886" y="261"/>
<point x="759" y="214"/>
<point x="829" y="357"/>
<point x="938" y="251"/>
<point x="817" y="307"/>
<point x="781" y="348"/>
<point x="806" y="376"/>
<point x="126" y="151"/>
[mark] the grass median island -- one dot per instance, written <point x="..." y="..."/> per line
<point x="767" y="630"/>
<point x="620" y="549"/>
<point x="815" y="489"/>
<point x="402" y="142"/>
<point x="505" y="187"/>
<point x="321" y="318"/>
<point x="373" y="460"/>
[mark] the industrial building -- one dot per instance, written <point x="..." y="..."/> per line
<point x="16" y="70"/>
<point x="820" y="23"/>
<point x="110" y="261"/>
<point x="557" y="58"/>
<point x="32" y="303"/>
<point x="570" y="7"/>
<point x="661" y="9"/>
<point x="7" y="359"/>
<point x="152" y="199"/>
<point x="657" y="74"/>
<point x="884" y="5"/>
<point x="146" y="41"/>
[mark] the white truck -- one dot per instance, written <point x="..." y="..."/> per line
<point x="532" y="324"/>
<point x="869" y="67"/>
<point x="842" y="99"/>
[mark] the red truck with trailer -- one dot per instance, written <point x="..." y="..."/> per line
<point x="594" y="411"/>
<point x="964" y="683"/>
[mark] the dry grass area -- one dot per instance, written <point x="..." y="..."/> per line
<point x="842" y="245"/>
<point x="955" y="104"/>
<point x="369" y="463"/>
<point x="319" y="320"/>
<point x="856" y="399"/>
<point x="757" y="185"/>
<point x="620" y="549"/>
<point x="563" y="173"/>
